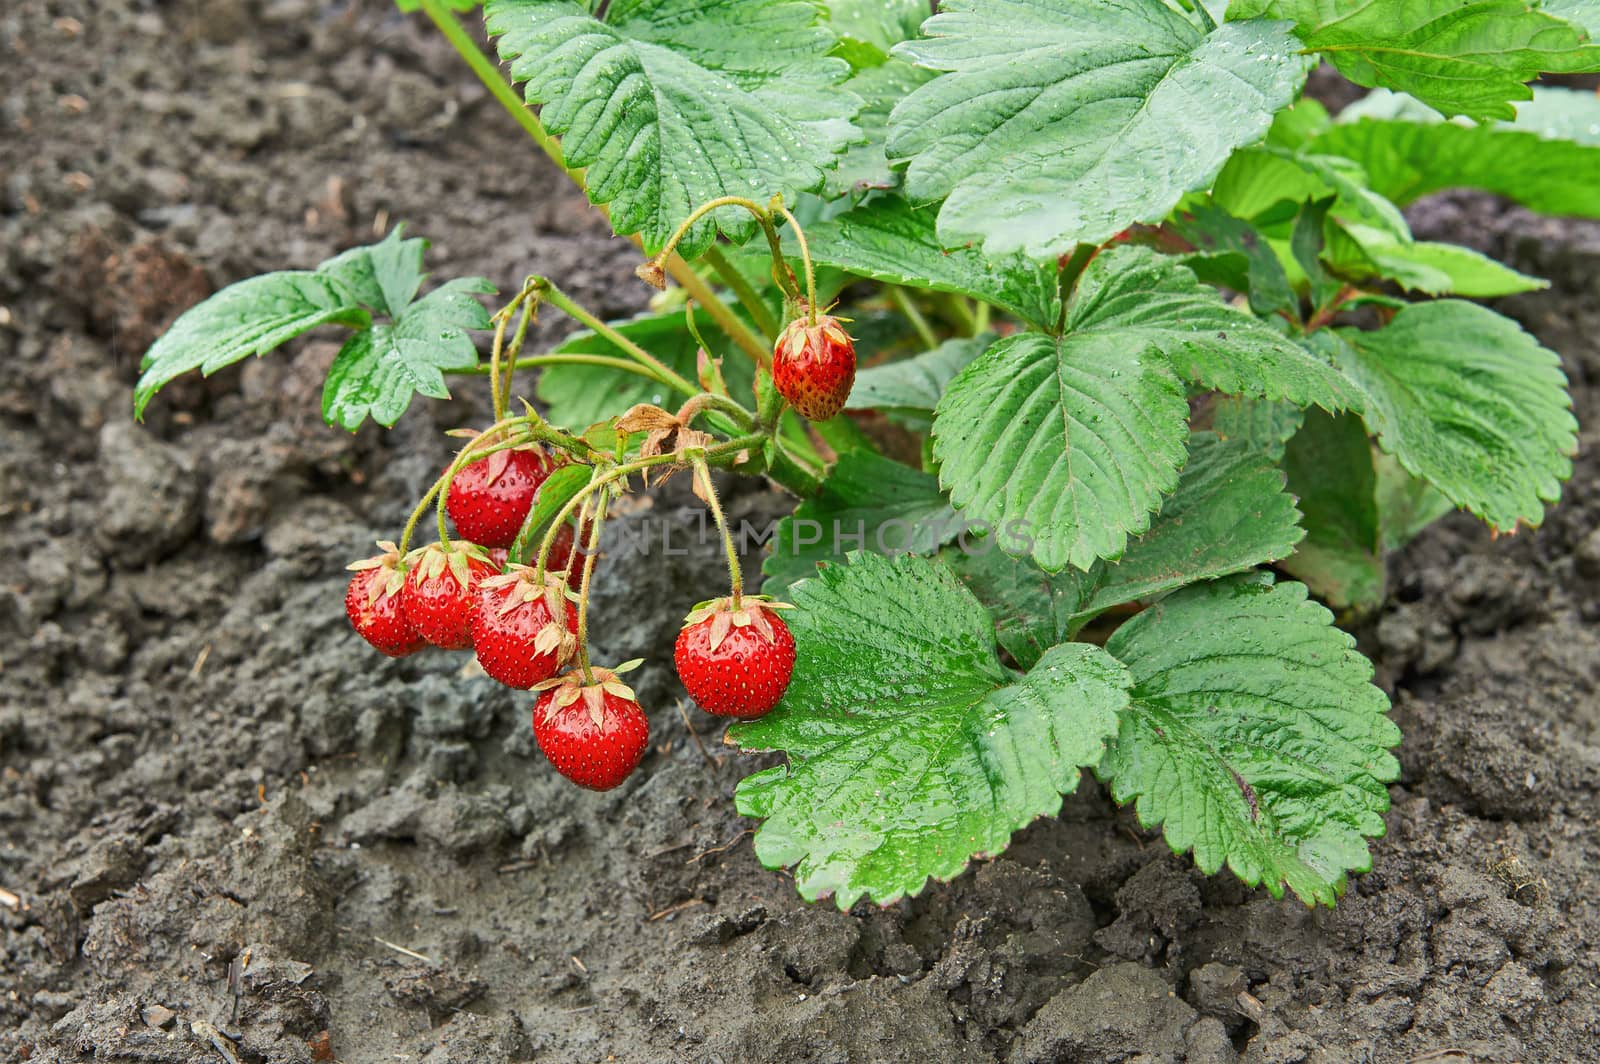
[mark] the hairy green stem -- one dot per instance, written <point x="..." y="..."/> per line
<point x="748" y="297"/>
<point x="559" y="299"/>
<point x="913" y="314"/>
<point x="805" y="259"/>
<point x="583" y="588"/>
<point x="735" y="575"/>
<point x="625" y="365"/>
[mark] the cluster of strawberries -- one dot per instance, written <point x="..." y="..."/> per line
<point x="735" y="658"/>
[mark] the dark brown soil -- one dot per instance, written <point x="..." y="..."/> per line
<point x="235" y="833"/>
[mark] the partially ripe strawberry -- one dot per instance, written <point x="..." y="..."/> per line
<point x="490" y="498"/>
<point x="373" y="603"/>
<point x="515" y="630"/>
<point x="498" y="557"/>
<point x="813" y="366"/>
<point x="440" y="592"/>
<point x="595" y="734"/>
<point x="735" y="662"/>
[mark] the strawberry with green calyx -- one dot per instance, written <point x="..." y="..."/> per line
<point x="523" y="631"/>
<point x="440" y="592"/>
<point x="735" y="657"/>
<point x="593" y="730"/>
<point x="373" y="603"/>
<point x="814" y="365"/>
<point x="490" y="497"/>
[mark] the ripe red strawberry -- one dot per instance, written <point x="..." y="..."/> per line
<point x="440" y="592"/>
<point x="735" y="662"/>
<point x="514" y="628"/>
<point x="373" y="603"/>
<point x="814" y="366"/>
<point x="594" y="734"/>
<point x="490" y="498"/>
<point x="498" y="557"/>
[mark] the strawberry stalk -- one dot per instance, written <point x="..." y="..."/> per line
<point x="708" y="492"/>
<point x="652" y="271"/>
<point x="547" y="291"/>
<point x="805" y="258"/>
<point x="583" y="588"/>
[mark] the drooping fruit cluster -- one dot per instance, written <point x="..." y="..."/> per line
<point x="814" y="366"/>
<point x="735" y="661"/>
<point x="593" y="732"/>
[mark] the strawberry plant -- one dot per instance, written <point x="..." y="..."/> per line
<point x="1101" y="362"/>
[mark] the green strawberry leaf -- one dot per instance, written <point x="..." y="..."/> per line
<point x="911" y="750"/>
<point x="1073" y="439"/>
<point x="877" y="24"/>
<point x="1254" y="737"/>
<point x="248" y="318"/>
<point x="889" y="240"/>
<point x="579" y="396"/>
<point x="1264" y="425"/>
<point x="865" y="166"/>
<point x="1135" y="296"/>
<point x="1463" y="58"/>
<point x="1257" y="179"/>
<point x="1546" y="160"/>
<point x="1360" y="253"/>
<point x="1406" y="504"/>
<point x="385" y="276"/>
<point x="1058" y="122"/>
<point x="1234" y="254"/>
<point x="1330" y="469"/>
<point x="1079" y="437"/>
<point x="1470" y="403"/>
<point x="868" y="503"/>
<point x="907" y="390"/>
<point x="379" y="369"/>
<point x="1229" y="514"/>
<point x="671" y="103"/>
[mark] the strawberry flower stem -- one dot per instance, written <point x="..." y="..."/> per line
<point x="583" y="589"/>
<point x="735" y="576"/>
<point x="625" y="365"/>
<point x="780" y="267"/>
<point x="805" y="257"/>
<point x="749" y="298"/>
<point x="561" y="301"/>
<point x="488" y="72"/>
<point x="902" y="301"/>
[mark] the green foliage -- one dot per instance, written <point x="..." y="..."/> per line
<point x="1058" y="122"/>
<point x="1470" y="403"/>
<point x="379" y="369"/>
<point x="908" y="390"/>
<point x="670" y="103"/>
<point x="1075" y="440"/>
<point x="381" y="366"/>
<point x="868" y="503"/>
<point x="1467" y="58"/>
<point x="1254" y="737"/>
<point x="911" y="748"/>
<point x="1228" y="515"/>
<point x="1546" y="160"/>
<point x="1330" y="470"/>
<point x="889" y="240"/>
<point x="1079" y="437"/>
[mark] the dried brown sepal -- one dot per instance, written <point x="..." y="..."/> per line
<point x="652" y="274"/>
<point x="646" y="417"/>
